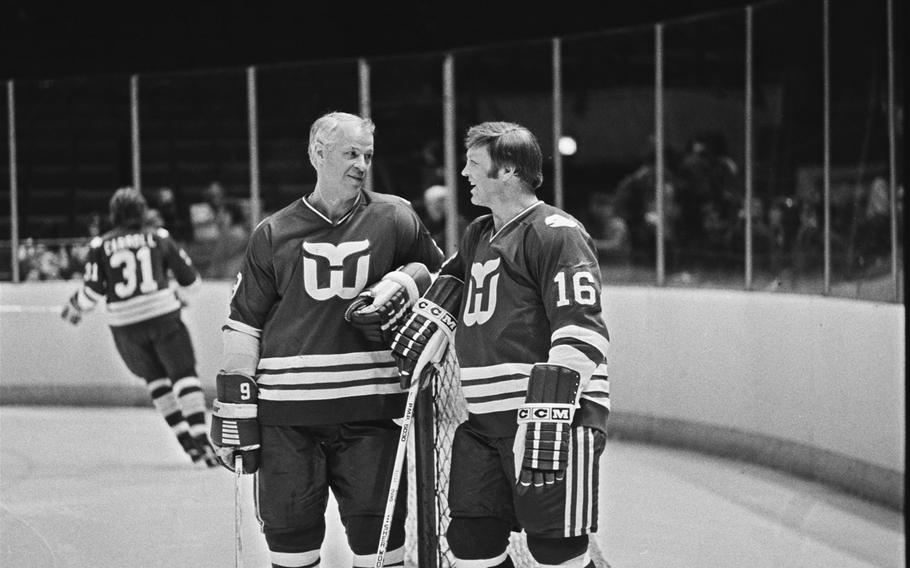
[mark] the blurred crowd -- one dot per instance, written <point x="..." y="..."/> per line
<point x="703" y="207"/>
<point x="213" y="231"/>
<point x="705" y="218"/>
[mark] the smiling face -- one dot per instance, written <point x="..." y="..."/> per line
<point x="484" y="180"/>
<point x="346" y="157"/>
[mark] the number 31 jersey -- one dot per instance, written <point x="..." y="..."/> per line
<point x="531" y="295"/>
<point x="131" y="269"/>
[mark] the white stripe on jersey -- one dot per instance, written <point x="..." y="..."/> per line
<point x="470" y="373"/>
<point x="489" y="388"/>
<point x="508" y="402"/>
<point x="243" y="328"/>
<point x="142" y="308"/>
<point x="329" y="360"/>
<point x="569" y="356"/>
<point x="319" y="376"/>
<point x="589" y="336"/>
<point x="495" y="388"/>
<point x="317" y="394"/>
<point x="598" y="388"/>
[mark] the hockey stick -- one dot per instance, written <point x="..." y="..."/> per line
<point x="238" y="519"/>
<point x="396" y="471"/>
<point x="12" y="309"/>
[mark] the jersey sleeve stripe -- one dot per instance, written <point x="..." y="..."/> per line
<point x="589" y="336"/>
<point x="573" y="358"/>
<point x="243" y="328"/>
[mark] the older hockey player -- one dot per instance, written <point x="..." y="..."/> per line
<point x="309" y="389"/>
<point x="128" y="267"/>
<point x="523" y="292"/>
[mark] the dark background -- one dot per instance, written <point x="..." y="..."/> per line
<point x="43" y="38"/>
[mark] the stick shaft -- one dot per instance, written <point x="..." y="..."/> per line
<point x="396" y="472"/>
<point x="238" y="518"/>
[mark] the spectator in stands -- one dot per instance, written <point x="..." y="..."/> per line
<point x="164" y="203"/>
<point x="609" y="231"/>
<point x="434" y="212"/>
<point x="708" y="198"/>
<point x="220" y="233"/>
<point x="635" y="202"/>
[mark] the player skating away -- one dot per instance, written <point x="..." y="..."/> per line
<point x="130" y="268"/>
<point x="305" y="397"/>
<point x="523" y="292"/>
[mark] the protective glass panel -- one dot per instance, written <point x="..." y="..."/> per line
<point x="513" y="83"/>
<point x="608" y="111"/>
<point x="195" y="163"/>
<point x="407" y="106"/>
<point x="290" y="98"/>
<point x="73" y="149"/>
<point x="6" y="235"/>
<point x="860" y="188"/>
<point x="704" y="117"/>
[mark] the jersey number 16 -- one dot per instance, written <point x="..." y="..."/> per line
<point x="581" y="288"/>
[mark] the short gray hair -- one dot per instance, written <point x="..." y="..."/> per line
<point x="325" y="126"/>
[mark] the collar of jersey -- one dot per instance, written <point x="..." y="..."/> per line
<point x="515" y="218"/>
<point x="343" y="217"/>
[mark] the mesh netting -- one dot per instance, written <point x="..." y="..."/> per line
<point x="450" y="410"/>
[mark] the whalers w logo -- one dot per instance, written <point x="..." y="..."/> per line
<point x="481" y="301"/>
<point x="328" y="270"/>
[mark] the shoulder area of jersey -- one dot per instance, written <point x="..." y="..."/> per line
<point x="375" y="197"/>
<point x="560" y="221"/>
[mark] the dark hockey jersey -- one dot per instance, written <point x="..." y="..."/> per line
<point x="531" y="295"/>
<point x="300" y="273"/>
<point x="131" y="269"/>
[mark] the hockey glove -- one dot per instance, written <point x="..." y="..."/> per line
<point x="424" y="338"/>
<point x="379" y="310"/>
<point x="235" y="423"/>
<point x="71" y="311"/>
<point x="545" y="425"/>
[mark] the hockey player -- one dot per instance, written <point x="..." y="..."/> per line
<point x="306" y="398"/>
<point x="523" y="291"/>
<point x="130" y="268"/>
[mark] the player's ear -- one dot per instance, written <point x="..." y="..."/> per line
<point x="319" y="152"/>
<point x="506" y="172"/>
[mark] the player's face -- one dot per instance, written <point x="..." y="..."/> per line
<point x="348" y="158"/>
<point x="478" y="169"/>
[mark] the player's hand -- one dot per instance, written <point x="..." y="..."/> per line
<point x="235" y="422"/>
<point x="227" y="457"/>
<point x="378" y="312"/>
<point x="545" y="427"/>
<point x="545" y="456"/>
<point x="71" y="311"/>
<point x="419" y="347"/>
